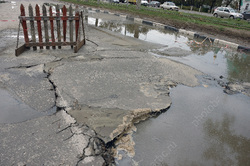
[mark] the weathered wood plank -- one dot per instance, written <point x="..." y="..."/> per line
<point x="46" y="31"/>
<point x="52" y="27"/>
<point x="39" y="27"/>
<point x="51" y="44"/>
<point x="32" y="26"/>
<point x="71" y="25"/>
<point x="64" y="10"/>
<point x="76" y="22"/>
<point x="24" y="24"/>
<point x="83" y="30"/>
<point x="21" y="49"/>
<point x="27" y="18"/>
<point x="78" y="46"/>
<point x="58" y="25"/>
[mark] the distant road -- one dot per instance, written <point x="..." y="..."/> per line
<point x="195" y="12"/>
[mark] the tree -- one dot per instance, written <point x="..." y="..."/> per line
<point x="228" y="2"/>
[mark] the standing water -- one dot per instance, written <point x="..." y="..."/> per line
<point x="204" y="125"/>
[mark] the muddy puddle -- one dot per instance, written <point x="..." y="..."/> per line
<point x="13" y="110"/>
<point x="217" y="61"/>
<point x="203" y="126"/>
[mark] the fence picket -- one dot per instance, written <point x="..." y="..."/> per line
<point x="77" y="22"/>
<point x="58" y="25"/>
<point x="32" y="26"/>
<point x="64" y="10"/>
<point x="46" y="26"/>
<point x="71" y="25"/>
<point x="52" y="27"/>
<point x="39" y="27"/>
<point x="25" y="29"/>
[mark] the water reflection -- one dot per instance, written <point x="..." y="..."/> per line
<point x="225" y="146"/>
<point x="220" y="138"/>
<point x="238" y="67"/>
<point x="204" y="56"/>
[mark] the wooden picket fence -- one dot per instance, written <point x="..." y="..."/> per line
<point x="75" y="28"/>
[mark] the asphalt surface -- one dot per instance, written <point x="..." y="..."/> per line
<point x="99" y="93"/>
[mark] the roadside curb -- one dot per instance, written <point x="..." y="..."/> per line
<point x="191" y="34"/>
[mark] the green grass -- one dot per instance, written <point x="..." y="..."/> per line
<point x="170" y="15"/>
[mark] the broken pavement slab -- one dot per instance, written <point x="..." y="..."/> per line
<point x="113" y="80"/>
<point x="100" y="93"/>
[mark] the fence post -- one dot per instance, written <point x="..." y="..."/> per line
<point x="32" y="26"/>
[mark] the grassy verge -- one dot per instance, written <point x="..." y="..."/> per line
<point x="160" y="14"/>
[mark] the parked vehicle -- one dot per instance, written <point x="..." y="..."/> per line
<point x="115" y="1"/>
<point x="154" y="4"/>
<point x="246" y="15"/>
<point x="132" y="1"/>
<point x="169" y="6"/>
<point x="227" y="12"/>
<point x="144" y="3"/>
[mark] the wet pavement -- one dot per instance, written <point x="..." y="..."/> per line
<point x="13" y="110"/>
<point x="204" y="125"/>
<point x="96" y="97"/>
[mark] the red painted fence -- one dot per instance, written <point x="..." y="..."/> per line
<point x="55" y="22"/>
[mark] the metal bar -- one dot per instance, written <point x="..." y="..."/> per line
<point x="32" y="26"/>
<point x="46" y="26"/>
<point x="52" y="27"/>
<point x="39" y="27"/>
<point x="51" y="44"/>
<point x="64" y="10"/>
<point x="58" y="25"/>
<point x="70" y="25"/>
<point x="25" y="29"/>
<point x="76" y="22"/>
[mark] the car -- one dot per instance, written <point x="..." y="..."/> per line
<point x="169" y="6"/>
<point x="144" y="3"/>
<point x="115" y="1"/>
<point x="227" y="13"/>
<point x="154" y="4"/>
<point x="246" y="15"/>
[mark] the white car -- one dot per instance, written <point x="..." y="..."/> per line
<point x="169" y="6"/>
<point x="144" y="3"/>
<point x="227" y="12"/>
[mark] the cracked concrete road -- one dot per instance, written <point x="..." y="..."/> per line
<point x="100" y="92"/>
